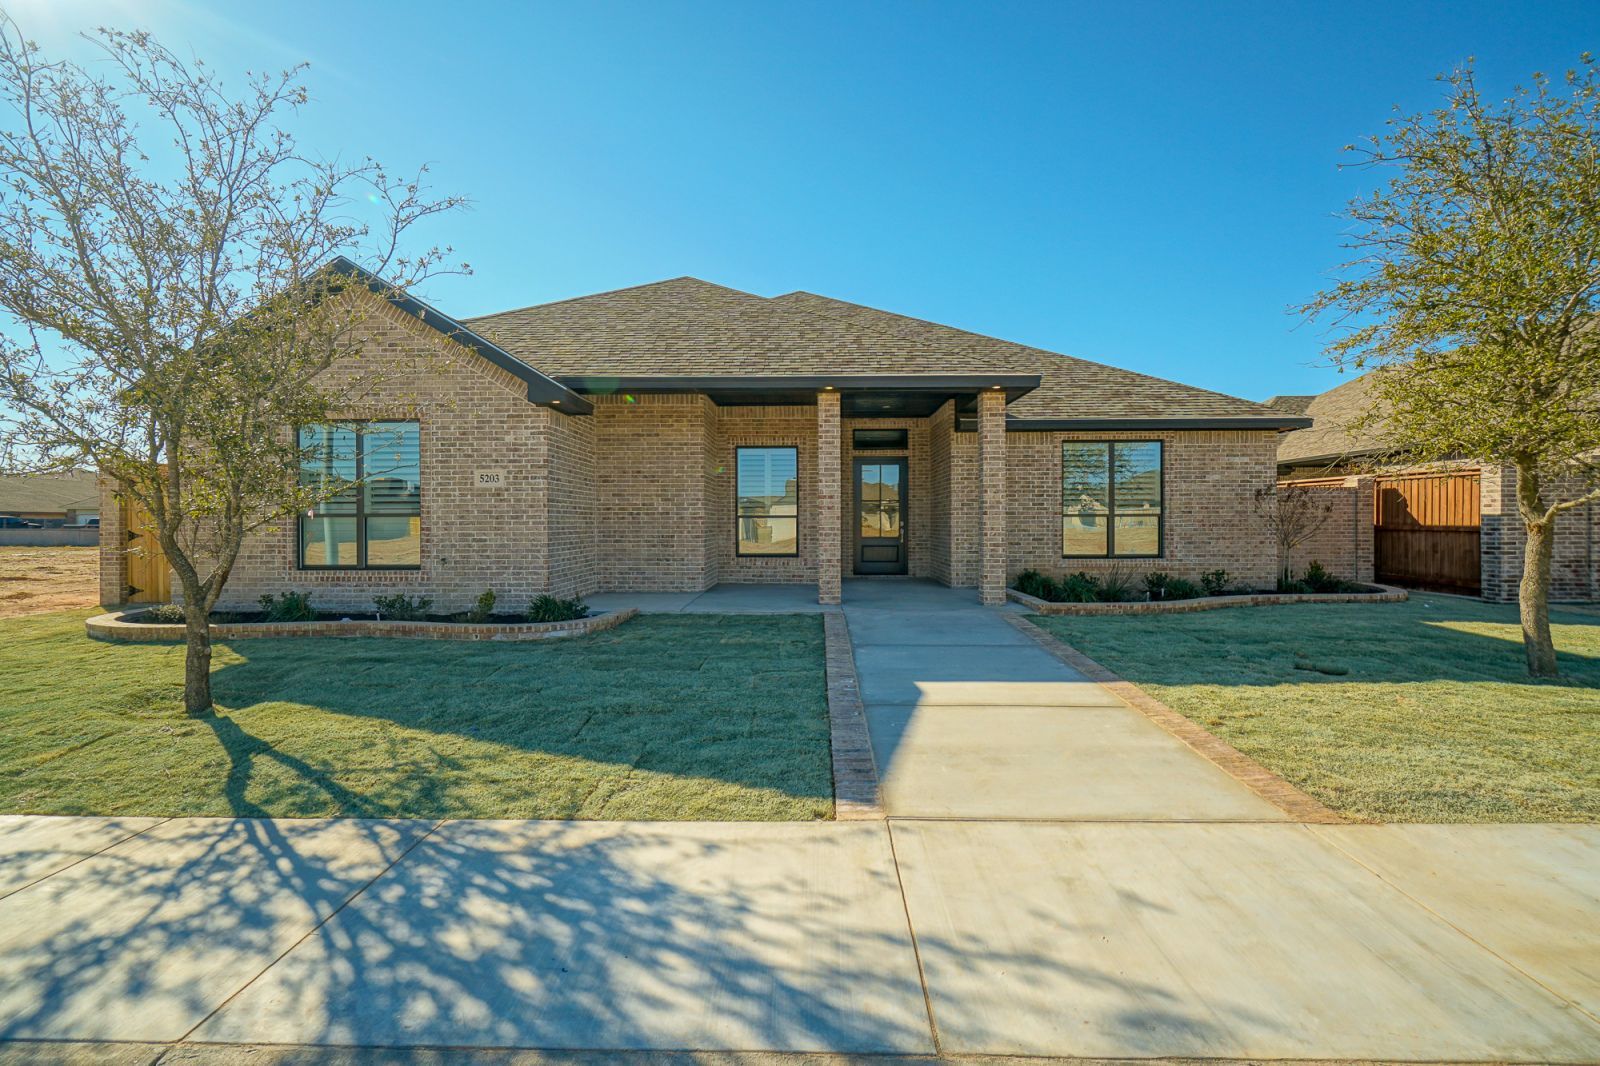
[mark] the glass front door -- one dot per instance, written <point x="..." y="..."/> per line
<point x="880" y="516"/>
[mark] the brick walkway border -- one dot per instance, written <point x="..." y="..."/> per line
<point x="114" y="627"/>
<point x="1263" y="782"/>
<point x="855" y="774"/>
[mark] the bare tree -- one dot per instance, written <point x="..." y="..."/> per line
<point x="164" y="251"/>
<point x="1294" y="514"/>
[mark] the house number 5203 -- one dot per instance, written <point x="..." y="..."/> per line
<point x="489" y="479"/>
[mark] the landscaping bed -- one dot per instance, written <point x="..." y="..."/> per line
<point x="134" y="627"/>
<point x="1420" y="711"/>
<point x="1122" y="591"/>
<point x="668" y="717"/>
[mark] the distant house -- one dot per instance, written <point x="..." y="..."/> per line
<point x="1451" y="526"/>
<point x="51" y="500"/>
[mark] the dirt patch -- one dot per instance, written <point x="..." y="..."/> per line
<point x="47" y="579"/>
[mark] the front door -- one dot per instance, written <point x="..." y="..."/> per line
<point x="880" y="516"/>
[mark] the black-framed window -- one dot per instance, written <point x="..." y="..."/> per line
<point x="768" y="513"/>
<point x="1111" y="499"/>
<point x="375" y="523"/>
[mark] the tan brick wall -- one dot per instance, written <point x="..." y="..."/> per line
<point x="113" y="546"/>
<point x="1575" y="560"/>
<point x="794" y="427"/>
<point x="472" y="416"/>
<point x="993" y="573"/>
<point x="1343" y="545"/>
<point x="828" y="490"/>
<point x="941" y="443"/>
<point x="1208" y="522"/>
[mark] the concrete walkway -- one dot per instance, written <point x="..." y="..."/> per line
<point x="971" y="719"/>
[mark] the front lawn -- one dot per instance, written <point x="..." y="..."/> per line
<point x="711" y="717"/>
<point x="1407" y="712"/>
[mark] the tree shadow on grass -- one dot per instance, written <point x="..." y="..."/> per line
<point x="683" y="718"/>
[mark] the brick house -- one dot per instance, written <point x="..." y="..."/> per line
<point x="1417" y="525"/>
<point x="676" y="435"/>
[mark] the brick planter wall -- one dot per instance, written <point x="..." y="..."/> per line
<point x="115" y="627"/>
<point x="1382" y="594"/>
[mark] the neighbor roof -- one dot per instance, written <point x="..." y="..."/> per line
<point x="688" y="328"/>
<point x="1334" y="434"/>
<point x="76" y="490"/>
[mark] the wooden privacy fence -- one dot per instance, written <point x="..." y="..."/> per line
<point x="1426" y="530"/>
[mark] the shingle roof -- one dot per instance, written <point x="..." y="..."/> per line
<point x="49" y="493"/>
<point x="1295" y="405"/>
<point x="686" y="326"/>
<point x="1334" y="434"/>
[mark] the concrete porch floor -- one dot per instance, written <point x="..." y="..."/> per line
<point x="898" y="593"/>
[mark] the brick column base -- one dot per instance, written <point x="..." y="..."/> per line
<point x="830" y="518"/>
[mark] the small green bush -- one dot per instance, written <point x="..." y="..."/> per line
<point x="1317" y="579"/>
<point x="1183" y="589"/>
<point x="162" y="614"/>
<point x="1118" y="585"/>
<point x="1156" y="582"/>
<point x="288" y="607"/>
<point x="1215" y="582"/>
<point x="1078" y="588"/>
<point x="549" y="608"/>
<point x="402" y="608"/>
<point x="1033" y="583"/>
<point x="483" y="609"/>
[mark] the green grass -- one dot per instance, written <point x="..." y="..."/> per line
<point x="1418" y="711"/>
<point x="662" y="718"/>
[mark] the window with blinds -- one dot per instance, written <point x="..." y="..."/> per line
<point x="372" y="516"/>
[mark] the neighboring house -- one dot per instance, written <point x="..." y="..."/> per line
<point x="1450" y="526"/>
<point x="51" y="500"/>
<point x="680" y="434"/>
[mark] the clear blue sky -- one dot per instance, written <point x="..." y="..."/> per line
<point x="1149" y="185"/>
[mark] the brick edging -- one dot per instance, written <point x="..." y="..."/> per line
<point x="1385" y="594"/>
<point x="855" y="773"/>
<point x="114" y="627"/>
<point x="1235" y="763"/>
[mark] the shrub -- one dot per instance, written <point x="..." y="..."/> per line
<point x="1291" y="585"/>
<point x="549" y="608"/>
<point x="1318" y="579"/>
<point x="1182" y="589"/>
<point x="163" y="614"/>
<point x="1156" y="582"/>
<point x="1215" y="582"/>
<point x="1117" y="585"/>
<point x="1033" y="583"/>
<point x="1078" y="588"/>
<point x="483" y="609"/>
<point x="288" y="607"/>
<point x="402" y="608"/>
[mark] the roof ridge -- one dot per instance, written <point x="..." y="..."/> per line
<point x="611" y="292"/>
<point x="1017" y="344"/>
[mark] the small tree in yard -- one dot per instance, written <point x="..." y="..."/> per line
<point x="1294" y="514"/>
<point x="162" y="255"/>
<point x="1474" y="291"/>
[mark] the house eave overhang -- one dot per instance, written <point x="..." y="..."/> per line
<point x="543" y="390"/>
<point x="1048" y="425"/>
<point x="864" y="395"/>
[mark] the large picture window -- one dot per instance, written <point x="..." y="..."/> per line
<point x="1111" y="498"/>
<point x="375" y="522"/>
<point x="768" y="513"/>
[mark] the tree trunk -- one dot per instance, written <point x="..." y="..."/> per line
<point x="197" y="660"/>
<point x="1533" y="595"/>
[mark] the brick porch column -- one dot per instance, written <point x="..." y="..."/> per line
<point x="830" y="520"/>
<point x="992" y="496"/>
<point x="113" y="546"/>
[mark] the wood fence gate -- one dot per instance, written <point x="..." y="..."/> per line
<point x="1426" y="531"/>
<point x="149" y="577"/>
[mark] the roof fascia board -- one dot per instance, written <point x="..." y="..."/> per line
<point x="1045" y="425"/>
<point x="543" y="390"/>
